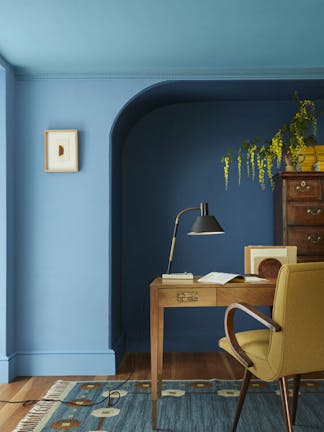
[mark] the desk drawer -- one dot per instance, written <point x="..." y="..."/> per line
<point x="255" y="296"/>
<point x="187" y="297"/>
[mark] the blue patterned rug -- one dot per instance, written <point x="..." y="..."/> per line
<point x="186" y="406"/>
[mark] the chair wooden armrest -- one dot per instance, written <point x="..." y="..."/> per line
<point x="230" y="333"/>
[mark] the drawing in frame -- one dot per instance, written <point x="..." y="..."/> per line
<point x="267" y="260"/>
<point x="61" y="150"/>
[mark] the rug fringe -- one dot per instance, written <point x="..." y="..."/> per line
<point x="43" y="409"/>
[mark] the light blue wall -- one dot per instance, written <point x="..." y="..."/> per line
<point x="62" y="228"/>
<point x="11" y="184"/>
<point x="7" y="293"/>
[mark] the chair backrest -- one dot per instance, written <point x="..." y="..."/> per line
<point x="299" y="309"/>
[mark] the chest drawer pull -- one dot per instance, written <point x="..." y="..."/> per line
<point x="191" y="296"/>
<point x="314" y="212"/>
<point x="314" y="239"/>
<point x="303" y="187"/>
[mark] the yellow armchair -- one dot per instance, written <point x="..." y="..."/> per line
<point x="292" y="343"/>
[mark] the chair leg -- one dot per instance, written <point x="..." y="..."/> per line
<point x="295" y="398"/>
<point x="285" y="403"/>
<point x="244" y="387"/>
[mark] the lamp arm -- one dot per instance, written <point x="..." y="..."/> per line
<point x="175" y="230"/>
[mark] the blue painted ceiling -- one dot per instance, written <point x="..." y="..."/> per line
<point x="155" y="37"/>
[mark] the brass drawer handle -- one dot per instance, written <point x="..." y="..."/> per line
<point x="313" y="239"/>
<point x="187" y="296"/>
<point x="303" y="187"/>
<point x="314" y="212"/>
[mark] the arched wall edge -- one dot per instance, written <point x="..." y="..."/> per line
<point x="138" y="106"/>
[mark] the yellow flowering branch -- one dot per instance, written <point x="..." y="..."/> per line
<point x="288" y="142"/>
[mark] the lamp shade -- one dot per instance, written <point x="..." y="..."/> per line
<point x="205" y="225"/>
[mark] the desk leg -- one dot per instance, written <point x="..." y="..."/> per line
<point x="160" y="348"/>
<point x="154" y="312"/>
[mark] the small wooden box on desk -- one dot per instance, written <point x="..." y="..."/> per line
<point x="299" y="213"/>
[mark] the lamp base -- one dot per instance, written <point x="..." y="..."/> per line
<point x="177" y="276"/>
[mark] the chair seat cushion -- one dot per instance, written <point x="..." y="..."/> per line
<point x="255" y="343"/>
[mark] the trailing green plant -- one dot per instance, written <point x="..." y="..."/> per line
<point x="287" y="144"/>
<point x="226" y="160"/>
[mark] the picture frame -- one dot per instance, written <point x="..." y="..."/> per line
<point x="266" y="261"/>
<point x="61" y="150"/>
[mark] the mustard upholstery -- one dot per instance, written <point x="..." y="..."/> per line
<point x="299" y="309"/>
<point x="255" y="343"/>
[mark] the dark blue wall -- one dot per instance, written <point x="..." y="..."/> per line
<point x="171" y="160"/>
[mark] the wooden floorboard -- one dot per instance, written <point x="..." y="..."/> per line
<point x="135" y="366"/>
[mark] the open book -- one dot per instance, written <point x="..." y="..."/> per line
<point x="223" y="278"/>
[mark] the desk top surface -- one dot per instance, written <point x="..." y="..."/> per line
<point x="193" y="283"/>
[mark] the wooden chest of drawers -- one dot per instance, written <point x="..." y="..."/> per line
<point x="299" y="213"/>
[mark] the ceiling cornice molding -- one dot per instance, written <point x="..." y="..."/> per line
<point x="198" y="73"/>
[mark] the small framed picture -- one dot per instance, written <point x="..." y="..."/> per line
<point x="61" y="150"/>
<point x="265" y="261"/>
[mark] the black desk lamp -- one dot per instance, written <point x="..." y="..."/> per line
<point x="203" y="225"/>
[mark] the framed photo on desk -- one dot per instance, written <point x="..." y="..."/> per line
<point x="265" y="261"/>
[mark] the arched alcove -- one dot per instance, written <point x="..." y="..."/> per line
<point x="215" y="115"/>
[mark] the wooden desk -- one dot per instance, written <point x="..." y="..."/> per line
<point x="190" y="293"/>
